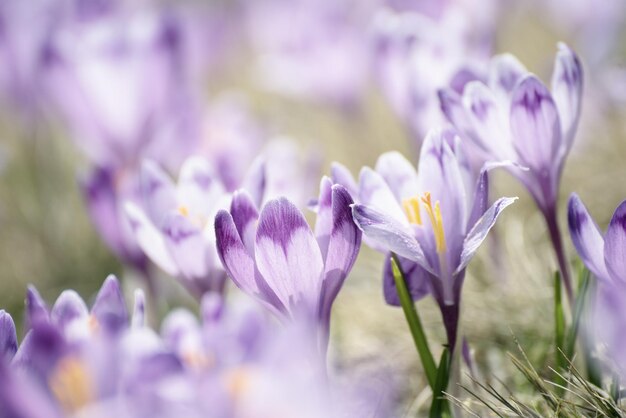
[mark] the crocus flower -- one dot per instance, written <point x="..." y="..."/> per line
<point x="515" y="117"/>
<point x="436" y="217"/>
<point x="277" y="258"/>
<point x="603" y="255"/>
<point x="175" y="230"/>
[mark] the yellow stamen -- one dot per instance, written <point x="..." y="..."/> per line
<point x="71" y="385"/>
<point x="197" y="360"/>
<point x="92" y="323"/>
<point x="238" y="381"/>
<point x="437" y="222"/>
<point x="411" y="207"/>
<point x="183" y="211"/>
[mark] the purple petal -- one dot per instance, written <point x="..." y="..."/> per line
<point x="255" y="181"/>
<point x="158" y="191"/>
<point x="417" y="281"/>
<point x="452" y="107"/>
<point x="375" y="192"/>
<point x="288" y="256"/>
<point x="186" y="245"/>
<point x="398" y="173"/>
<point x="343" y="248"/>
<point x="567" y="89"/>
<point x="324" y="220"/>
<point x="479" y="231"/>
<point x="586" y="237"/>
<point x="390" y="234"/>
<point x="341" y="175"/>
<point x="36" y="308"/>
<point x="535" y="125"/>
<point x="615" y="244"/>
<point x="199" y="189"/>
<point x="68" y="307"/>
<point x="139" y="310"/>
<point x="109" y="309"/>
<point x="504" y="73"/>
<point x="150" y="239"/>
<point x="8" y="337"/>
<point x="245" y="215"/>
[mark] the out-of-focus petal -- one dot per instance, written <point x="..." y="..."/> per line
<point x="615" y="244"/>
<point x="375" y="193"/>
<point x="186" y="245"/>
<point x="505" y="71"/>
<point x="288" y="256"/>
<point x="8" y="337"/>
<point x="586" y="237"/>
<point x="567" y="90"/>
<point x="399" y="174"/>
<point x="158" y="191"/>
<point x="36" y="308"/>
<point x="109" y="308"/>
<point x="341" y="175"/>
<point x="69" y="306"/>
<point x="324" y="220"/>
<point x="479" y="231"/>
<point x="417" y="281"/>
<point x="198" y="188"/>
<point x="138" y="319"/>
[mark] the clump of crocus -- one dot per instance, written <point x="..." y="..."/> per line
<point x="515" y="117"/>
<point x="603" y="255"/>
<point x="277" y="258"/>
<point x="434" y="219"/>
<point x="175" y="230"/>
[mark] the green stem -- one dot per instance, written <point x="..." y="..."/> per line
<point x="415" y="325"/>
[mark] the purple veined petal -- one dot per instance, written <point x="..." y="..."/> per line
<point x="68" y="307"/>
<point x="8" y="337"/>
<point x="186" y="245"/>
<point x="341" y="175"/>
<point x="375" y="192"/>
<point x="389" y="233"/>
<point x="255" y="181"/>
<point x="505" y="71"/>
<point x="479" y="231"/>
<point x="288" y="256"/>
<point x="615" y="244"/>
<point x="245" y="215"/>
<point x="417" y="281"/>
<point x="490" y="123"/>
<point x="586" y="237"/>
<point x="535" y="126"/>
<point x="198" y="187"/>
<point x="138" y="319"/>
<point x="398" y="173"/>
<point x="212" y="308"/>
<point x="324" y="220"/>
<point x="150" y="239"/>
<point x="109" y="308"/>
<point x="480" y="203"/>
<point x="452" y="107"/>
<point x="158" y="191"/>
<point x="567" y="90"/>
<point x="36" y="308"/>
<point x="343" y="248"/>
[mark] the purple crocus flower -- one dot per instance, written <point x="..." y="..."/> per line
<point x="175" y="230"/>
<point x="603" y="255"/>
<point x="515" y="117"/>
<point x="277" y="258"/>
<point x="436" y="218"/>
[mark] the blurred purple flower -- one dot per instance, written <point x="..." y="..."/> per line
<point x="436" y="218"/>
<point x="515" y="117"/>
<point x="275" y="256"/>
<point x="174" y="224"/>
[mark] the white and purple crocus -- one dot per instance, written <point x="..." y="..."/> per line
<point x="515" y="117"/>
<point x="434" y="219"/>
<point x="276" y="257"/>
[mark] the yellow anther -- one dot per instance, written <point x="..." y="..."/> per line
<point x="197" y="359"/>
<point x="92" y="323"/>
<point x="71" y="385"/>
<point x="437" y="222"/>
<point x="238" y="381"/>
<point x="411" y="207"/>
<point x="183" y="210"/>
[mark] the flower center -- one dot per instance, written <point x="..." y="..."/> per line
<point x="71" y="385"/>
<point x="411" y="207"/>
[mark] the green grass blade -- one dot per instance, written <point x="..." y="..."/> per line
<point x="440" y="406"/>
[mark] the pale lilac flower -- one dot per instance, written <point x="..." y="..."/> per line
<point x="174" y="225"/>
<point x="436" y="217"/>
<point x="515" y="117"/>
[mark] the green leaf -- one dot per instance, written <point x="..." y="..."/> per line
<point x="415" y="324"/>
<point x="581" y="297"/>
<point x="440" y="406"/>
<point x="559" y="330"/>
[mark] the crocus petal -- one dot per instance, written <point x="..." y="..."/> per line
<point x="452" y="107"/>
<point x="505" y="71"/>
<point x="198" y="188"/>
<point x="535" y="124"/>
<point x="586" y="237"/>
<point x="479" y="232"/>
<point x="288" y="256"/>
<point x="324" y="220"/>
<point x="185" y="244"/>
<point x="341" y="175"/>
<point x="615" y="244"/>
<point x="417" y="281"/>
<point x="567" y="89"/>
<point x="343" y="248"/>
<point x="255" y="181"/>
<point x="36" y="308"/>
<point x="158" y="191"/>
<point x="139" y="310"/>
<point x="109" y="309"/>
<point x="245" y="215"/>
<point x="69" y="306"/>
<point x="392" y="235"/>
<point x="375" y="192"/>
<point x="150" y="240"/>
<point x="8" y="337"/>
<point x="399" y="174"/>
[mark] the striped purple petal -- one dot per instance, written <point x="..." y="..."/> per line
<point x="615" y="244"/>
